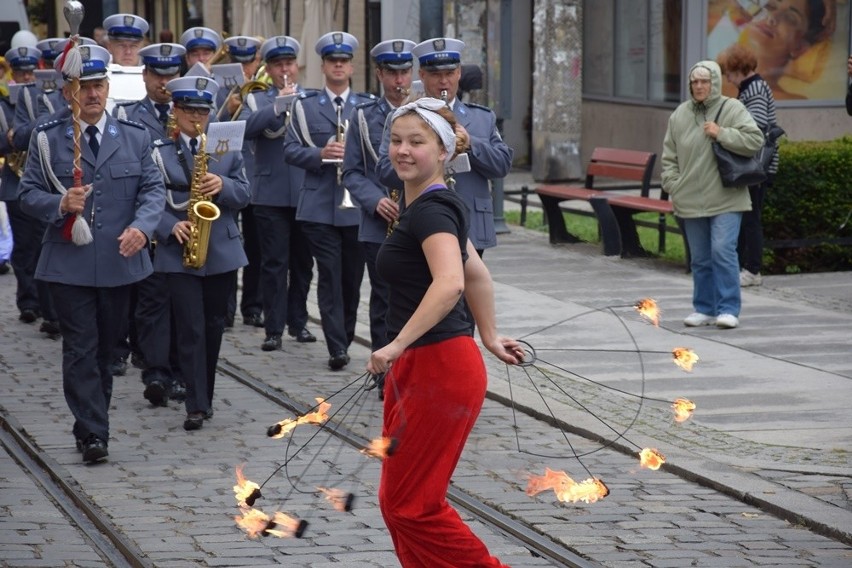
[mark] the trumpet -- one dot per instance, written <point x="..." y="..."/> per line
<point x="346" y="202"/>
<point x="444" y="96"/>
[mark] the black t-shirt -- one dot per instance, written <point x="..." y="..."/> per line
<point x="402" y="263"/>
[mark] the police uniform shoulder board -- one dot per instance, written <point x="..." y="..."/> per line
<point x="368" y="96"/>
<point x="138" y="125"/>
<point x="48" y="125"/>
<point x="367" y="104"/>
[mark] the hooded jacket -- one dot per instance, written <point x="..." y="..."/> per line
<point x="689" y="172"/>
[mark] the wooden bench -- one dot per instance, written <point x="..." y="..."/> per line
<point x="612" y="209"/>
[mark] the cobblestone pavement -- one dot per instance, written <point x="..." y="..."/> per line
<point x="717" y="501"/>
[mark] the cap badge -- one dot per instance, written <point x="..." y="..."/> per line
<point x="85" y="53"/>
<point x="165" y="49"/>
<point x="397" y="46"/>
<point x="337" y="38"/>
<point x="198" y="33"/>
<point x="22" y="51"/>
<point x="200" y="84"/>
<point x="439" y="45"/>
<point x="128" y="20"/>
<point x="241" y="42"/>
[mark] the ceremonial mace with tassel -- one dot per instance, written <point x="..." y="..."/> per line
<point x="75" y="229"/>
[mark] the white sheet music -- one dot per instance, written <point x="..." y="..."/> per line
<point x="48" y="79"/>
<point x="197" y="70"/>
<point x="228" y="75"/>
<point x="225" y="136"/>
<point x="459" y="165"/>
<point x="283" y="102"/>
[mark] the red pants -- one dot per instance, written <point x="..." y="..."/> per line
<point x="433" y="395"/>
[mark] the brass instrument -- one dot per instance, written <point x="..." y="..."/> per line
<point x="221" y="54"/>
<point x="394" y="196"/>
<point x="16" y="162"/>
<point x="444" y="96"/>
<point x="201" y="211"/>
<point x="248" y="87"/>
<point x="346" y="202"/>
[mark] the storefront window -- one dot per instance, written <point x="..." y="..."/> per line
<point x="632" y="49"/>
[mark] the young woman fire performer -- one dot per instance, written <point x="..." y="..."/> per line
<point x="436" y="378"/>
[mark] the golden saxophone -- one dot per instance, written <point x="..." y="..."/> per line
<point x="201" y="211"/>
<point x="16" y="162"/>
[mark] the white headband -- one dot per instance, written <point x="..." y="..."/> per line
<point x="427" y="109"/>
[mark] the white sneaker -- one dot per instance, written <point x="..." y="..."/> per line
<point x="697" y="319"/>
<point x="749" y="279"/>
<point x="727" y="321"/>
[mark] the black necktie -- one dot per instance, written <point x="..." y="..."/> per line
<point x="193" y="146"/>
<point x="163" y="109"/>
<point x="338" y="101"/>
<point x="92" y="131"/>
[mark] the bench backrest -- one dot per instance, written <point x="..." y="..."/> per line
<point x="628" y="165"/>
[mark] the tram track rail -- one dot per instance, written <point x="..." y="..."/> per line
<point x="514" y="529"/>
<point x="55" y="483"/>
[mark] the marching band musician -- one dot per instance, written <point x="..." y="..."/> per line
<point x="125" y="34"/>
<point x="286" y="262"/>
<point x="199" y="296"/>
<point x="151" y="315"/>
<point x="201" y="45"/>
<point x="490" y="157"/>
<point x="245" y="50"/>
<point x="16" y="123"/>
<point x="315" y="134"/>
<point x="119" y="202"/>
<point x="379" y="210"/>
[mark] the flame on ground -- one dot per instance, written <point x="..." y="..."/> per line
<point x="684" y="358"/>
<point x="246" y="491"/>
<point x="566" y="489"/>
<point x="648" y="308"/>
<point x="683" y="409"/>
<point x="256" y="523"/>
<point x="340" y="500"/>
<point x="379" y="448"/>
<point x="318" y="416"/>
<point x="651" y="458"/>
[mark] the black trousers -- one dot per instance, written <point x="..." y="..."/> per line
<point x="286" y="268"/>
<point x="27" y="232"/>
<point x="251" y="301"/>
<point x="340" y="269"/>
<point x="154" y="329"/>
<point x="89" y="319"/>
<point x="750" y="244"/>
<point x="199" y="305"/>
<point x="379" y="293"/>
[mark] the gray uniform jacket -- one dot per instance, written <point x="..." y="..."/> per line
<point x="363" y="143"/>
<point x="312" y="124"/>
<point x="144" y="113"/>
<point x="490" y="158"/>
<point x="225" y="249"/>
<point x="127" y="191"/>
<point x="275" y="183"/>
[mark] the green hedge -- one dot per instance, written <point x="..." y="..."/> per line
<point x="811" y="199"/>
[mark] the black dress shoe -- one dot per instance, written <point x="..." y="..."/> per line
<point x="4" y="267"/>
<point x="271" y="343"/>
<point x="156" y="394"/>
<point x="255" y="320"/>
<point x="338" y="360"/>
<point x="138" y="361"/>
<point x="209" y="414"/>
<point x="177" y="391"/>
<point x="94" y="449"/>
<point x="194" y="421"/>
<point x="118" y="368"/>
<point x="304" y="336"/>
<point x="28" y="315"/>
<point x="49" y="327"/>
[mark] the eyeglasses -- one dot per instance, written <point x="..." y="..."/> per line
<point x="201" y="111"/>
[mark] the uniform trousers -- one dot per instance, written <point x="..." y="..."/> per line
<point x="27" y="233"/>
<point x="433" y="395"/>
<point x="286" y="268"/>
<point x="251" y="302"/>
<point x="379" y="292"/>
<point x="340" y="269"/>
<point x="154" y="329"/>
<point x="199" y="305"/>
<point x="89" y="319"/>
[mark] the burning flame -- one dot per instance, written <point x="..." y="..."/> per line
<point x="651" y="458"/>
<point x="648" y="308"/>
<point x="684" y="358"/>
<point x="683" y="409"/>
<point x="341" y="500"/>
<point x="320" y="415"/>
<point x="565" y="488"/>
<point x="247" y="492"/>
<point x="256" y="523"/>
<point x="380" y="448"/>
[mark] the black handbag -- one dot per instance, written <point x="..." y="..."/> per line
<point x="737" y="170"/>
